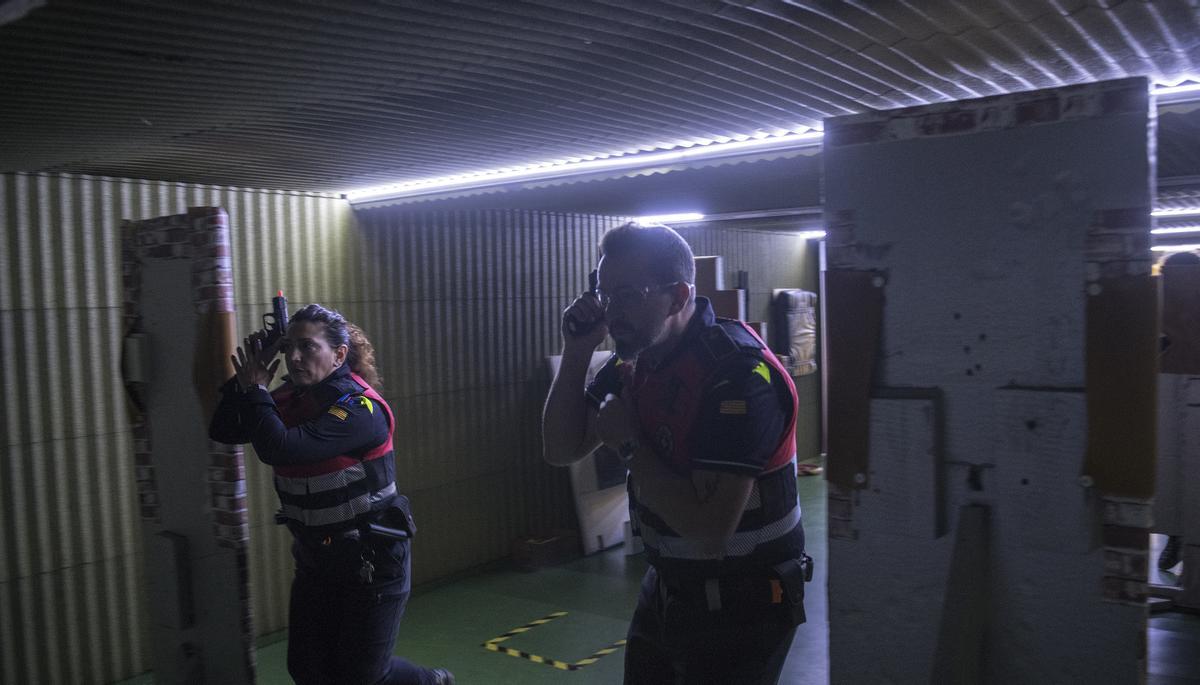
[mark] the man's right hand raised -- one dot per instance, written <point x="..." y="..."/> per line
<point x="583" y="323"/>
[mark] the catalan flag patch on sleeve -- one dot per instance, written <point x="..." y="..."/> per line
<point x="339" y="412"/>
<point x="732" y="407"/>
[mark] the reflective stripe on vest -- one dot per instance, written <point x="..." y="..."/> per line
<point x="739" y="544"/>
<point x="767" y="524"/>
<point x="314" y="484"/>
<point x="348" y="511"/>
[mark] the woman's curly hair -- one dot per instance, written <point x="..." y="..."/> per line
<point x="339" y="331"/>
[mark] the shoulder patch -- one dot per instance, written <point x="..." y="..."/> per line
<point x="762" y="370"/>
<point x="353" y="400"/>
<point x="340" y="413"/>
<point x="732" y="407"/>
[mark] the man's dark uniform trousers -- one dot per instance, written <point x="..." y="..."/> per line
<point x="334" y="476"/>
<point x="720" y="401"/>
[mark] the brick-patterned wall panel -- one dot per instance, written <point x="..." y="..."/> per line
<point x="178" y="306"/>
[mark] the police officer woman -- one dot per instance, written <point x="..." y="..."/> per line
<point x="327" y="434"/>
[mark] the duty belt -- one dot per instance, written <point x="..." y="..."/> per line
<point x="309" y="538"/>
<point x="782" y="584"/>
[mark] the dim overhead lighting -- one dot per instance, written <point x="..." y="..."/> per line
<point x="1172" y="90"/>
<point x="1177" y="211"/>
<point x="1175" y="230"/>
<point x="1183" y="86"/>
<point x="812" y="234"/>
<point x="682" y="218"/>
<point x="1183" y="89"/>
<point x="1176" y="248"/>
<point x="611" y="162"/>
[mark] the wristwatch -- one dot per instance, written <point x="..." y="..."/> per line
<point x="626" y="449"/>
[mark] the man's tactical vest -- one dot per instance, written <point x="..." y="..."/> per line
<point x="337" y="493"/>
<point x="668" y="404"/>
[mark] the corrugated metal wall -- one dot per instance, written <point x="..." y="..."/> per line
<point x="468" y="305"/>
<point x="463" y="308"/>
<point x="463" y="313"/>
<point x="71" y="600"/>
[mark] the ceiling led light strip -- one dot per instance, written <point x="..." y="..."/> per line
<point x="1176" y="248"/>
<point x="1181" y="211"/>
<point x="546" y="170"/>
<point x="684" y="218"/>
<point x="1175" y="230"/>
<point x="1181" y="90"/>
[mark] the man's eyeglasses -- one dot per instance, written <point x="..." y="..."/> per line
<point x="629" y="296"/>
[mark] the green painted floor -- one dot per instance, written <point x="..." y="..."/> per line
<point x="447" y="625"/>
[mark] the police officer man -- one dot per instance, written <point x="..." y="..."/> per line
<point x="704" y="415"/>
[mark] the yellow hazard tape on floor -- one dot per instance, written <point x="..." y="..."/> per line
<point x="494" y="645"/>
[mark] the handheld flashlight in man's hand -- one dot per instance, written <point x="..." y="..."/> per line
<point x="572" y="324"/>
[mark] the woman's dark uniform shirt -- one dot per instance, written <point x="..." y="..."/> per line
<point x="329" y="444"/>
<point x="349" y="425"/>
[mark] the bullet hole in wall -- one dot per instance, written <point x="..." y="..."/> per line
<point x="975" y="478"/>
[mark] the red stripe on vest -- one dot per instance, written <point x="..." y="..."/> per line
<point x="668" y="403"/>
<point x="295" y="411"/>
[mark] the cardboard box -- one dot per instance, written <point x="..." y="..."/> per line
<point x="710" y="275"/>
<point x="730" y="304"/>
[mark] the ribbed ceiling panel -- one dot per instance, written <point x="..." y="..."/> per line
<point x="325" y="96"/>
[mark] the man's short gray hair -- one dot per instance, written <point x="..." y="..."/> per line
<point x="668" y="254"/>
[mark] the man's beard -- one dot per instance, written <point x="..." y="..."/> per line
<point x="633" y="342"/>
<point x="627" y="351"/>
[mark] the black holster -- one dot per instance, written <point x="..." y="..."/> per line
<point x="793" y="574"/>
<point x="395" y="522"/>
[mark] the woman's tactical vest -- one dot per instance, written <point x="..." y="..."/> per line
<point x="668" y="403"/>
<point x="338" y="493"/>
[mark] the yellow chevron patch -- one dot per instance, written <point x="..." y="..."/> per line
<point x="732" y="407"/>
<point x="339" y="412"/>
<point x="763" y="371"/>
